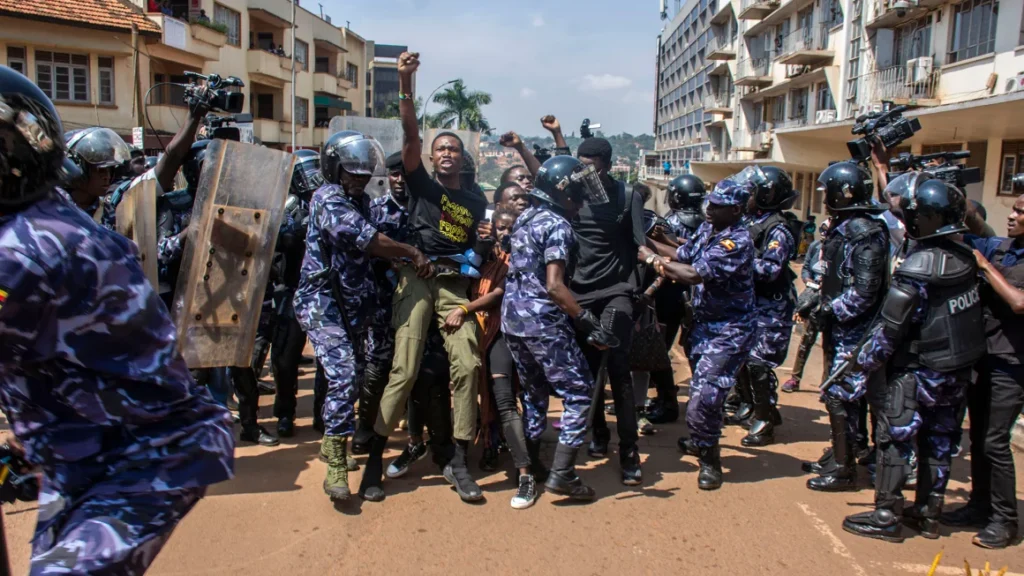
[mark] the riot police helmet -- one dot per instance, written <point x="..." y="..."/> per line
<point x="847" y="186"/>
<point x="31" y="141"/>
<point x="686" y="192"/>
<point x="306" y="176"/>
<point x="933" y="208"/>
<point x="563" y="181"/>
<point x="194" y="163"/>
<point x="776" y="191"/>
<point x="97" y="148"/>
<point x="352" y="152"/>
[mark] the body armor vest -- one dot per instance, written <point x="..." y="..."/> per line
<point x="782" y="285"/>
<point x="1004" y="328"/>
<point x="690" y="220"/>
<point x="835" y="281"/>
<point x="952" y="335"/>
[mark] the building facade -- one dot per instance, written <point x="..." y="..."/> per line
<point x="82" y="55"/>
<point x="781" y="81"/>
<point x="382" y="80"/>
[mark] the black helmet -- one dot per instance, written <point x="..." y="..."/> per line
<point x="563" y="178"/>
<point x="31" y="141"/>
<point x="97" y="147"/>
<point x="776" y="191"/>
<point x="353" y="152"/>
<point x="847" y="187"/>
<point x="686" y="191"/>
<point x="194" y="163"/>
<point x="306" y="177"/>
<point x="933" y="208"/>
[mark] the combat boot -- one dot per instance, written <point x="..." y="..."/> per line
<point x="457" y="474"/>
<point x="350" y="463"/>
<point x="843" y="477"/>
<point x="688" y="446"/>
<point x="563" y="479"/>
<point x="537" y="468"/>
<point x="882" y="523"/>
<point x="336" y="483"/>
<point x="374" y="382"/>
<point x="370" y="487"/>
<point x="710" y="475"/>
<point x="924" y="513"/>
<point x="663" y="411"/>
<point x="826" y="464"/>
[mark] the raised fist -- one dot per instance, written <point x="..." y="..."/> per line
<point x="550" y="123"/>
<point x="408" y="63"/>
<point x="510" y="140"/>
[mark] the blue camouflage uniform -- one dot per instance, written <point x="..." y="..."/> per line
<point x="678" y="226"/>
<point x="174" y="212"/>
<point x="94" y="387"/>
<point x="391" y="219"/>
<point x="335" y="294"/>
<point x="774" y="314"/>
<point x="538" y="333"/>
<point x="723" y="313"/>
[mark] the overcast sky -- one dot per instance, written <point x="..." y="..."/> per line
<point x="571" y="58"/>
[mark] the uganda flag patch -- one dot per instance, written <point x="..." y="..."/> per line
<point x="3" y="298"/>
<point x="728" y="244"/>
<point x="773" y="244"/>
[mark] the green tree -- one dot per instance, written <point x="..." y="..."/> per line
<point x="463" y="108"/>
<point x="392" y="111"/>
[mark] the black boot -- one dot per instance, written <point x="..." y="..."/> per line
<point x="882" y="523"/>
<point x="563" y="479"/>
<point x="844" y="477"/>
<point x="745" y="400"/>
<point x="457" y="474"/>
<point x="924" y="513"/>
<point x="995" y="536"/>
<point x="663" y="411"/>
<point x="824" y="465"/>
<point x="629" y="461"/>
<point x="969" y="515"/>
<point x="710" y="475"/>
<point x="258" y="435"/>
<point x="688" y="447"/>
<point x="537" y="468"/>
<point x="370" y="487"/>
<point x="762" y="422"/>
<point x="374" y="382"/>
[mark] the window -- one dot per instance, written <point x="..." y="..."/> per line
<point x="302" y="111"/>
<point x="1013" y="161"/>
<point x="352" y="73"/>
<point x="16" y="59"/>
<point x="799" y="204"/>
<point x="321" y="116"/>
<point x="973" y="29"/>
<point x="106" y="80"/>
<point x="779" y="109"/>
<point x="798" y="103"/>
<point x="322" y="65"/>
<point x="832" y="13"/>
<point x="912" y="41"/>
<point x="231" y="19"/>
<point x="63" y="77"/>
<point x="169" y="94"/>
<point x="302" y="54"/>
<point x="824" y="99"/>
<point x="265" y="106"/>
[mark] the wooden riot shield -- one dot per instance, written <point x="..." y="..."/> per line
<point x="136" y="220"/>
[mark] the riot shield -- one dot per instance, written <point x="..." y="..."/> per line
<point x="136" y="220"/>
<point x="228" y="252"/>
<point x="386" y="131"/>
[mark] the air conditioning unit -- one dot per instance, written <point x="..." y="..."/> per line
<point x="765" y="138"/>
<point x="824" y="116"/>
<point x="919" y="69"/>
<point x="1015" y="83"/>
<point x="868" y="109"/>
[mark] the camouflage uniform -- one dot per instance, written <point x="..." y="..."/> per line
<point x="391" y="219"/>
<point x="774" y="316"/>
<point x="334" y="296"/>
<point x="724" y="322"/>
<point x="94" y="387"/>
<point x="539" y="334"/>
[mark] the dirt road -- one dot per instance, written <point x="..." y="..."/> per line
<point x="273" y="518"/>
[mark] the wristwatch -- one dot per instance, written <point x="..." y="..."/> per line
<point x="650" y="259"/>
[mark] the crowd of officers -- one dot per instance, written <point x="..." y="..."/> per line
<point x="422" y="302"/>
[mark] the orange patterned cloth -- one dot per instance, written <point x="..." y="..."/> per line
<point x="492" y="275"/>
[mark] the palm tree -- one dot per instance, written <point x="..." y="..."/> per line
<point x="391" y="112"/>
<point x="462" y="108"/>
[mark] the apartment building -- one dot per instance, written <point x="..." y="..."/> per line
<point x="81" y="54"/>
<point x="781" y="81"/>
<point x="382" y="79"/>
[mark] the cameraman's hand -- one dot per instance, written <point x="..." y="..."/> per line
<point x="550" y="123"/>
<point x="510" y="140"/>
<point x="408" y="63"/>
<point x="201" y="108"/>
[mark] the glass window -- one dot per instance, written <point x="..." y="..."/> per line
<point x="302" y="54"/>
<point x="231" y="19"/>
<point x="322" y="65"/>
<point x="106" y="66"/>
<point x="352" y="74"/>
<point x="1013" y="163"/>
<point x="62" y="76"/>
<point x="302" y="111"/>
<point x="973" y="31"/>
<point x="824" y="100"/>
<point x="16" y="59"/>
<point x="912" y="41"/>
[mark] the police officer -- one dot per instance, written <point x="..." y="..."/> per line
<point x="288" y="337"/>
<point x="718" y="263"/>
<point x="99" y="153"/>
<point x="775" y="243"/>
<point x="389" y="215"/>
<point x="96" y="391"/>
<point x="855" y="257"/>
<point x="173" y="214"/>
<point x="537" y="317"/>
<point x="930" y="333"/>
<point x="686" y="195"/>
<point x="336" y="288"/>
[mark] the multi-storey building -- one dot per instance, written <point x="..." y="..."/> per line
<point x="781" y="82"/>
<point x="382" y="79"/>
<point x="81" y="54"/>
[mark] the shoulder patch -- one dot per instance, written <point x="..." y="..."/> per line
<point x="728" y="244"/>
<point x="3" y="298"/>
<point x="773" y="244"/>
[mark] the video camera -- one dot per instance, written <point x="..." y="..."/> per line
<point x="956" y="174"/>
<point x="586" y="127"/>
<point x="888" y="126"/>
<point x="225" y="127"/>
<point x="215" y="95"/>
<point x="541" y="154"/>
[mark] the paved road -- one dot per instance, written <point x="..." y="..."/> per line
<point x="273" y="518"/>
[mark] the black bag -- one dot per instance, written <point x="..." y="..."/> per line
<point x="648" y="352"/>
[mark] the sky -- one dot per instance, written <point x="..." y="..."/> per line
<point x="573" y="58"/>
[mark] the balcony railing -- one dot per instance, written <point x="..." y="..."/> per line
<point x="904" y="83"/>
<point x="753" y="68"/>
<point x="720" y="44"/>
<point x="717" y="100"/>
<point x="792" y="123"/>
<point x="805" y="39"/>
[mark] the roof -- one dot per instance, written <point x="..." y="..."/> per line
<point x="101" y="14"/>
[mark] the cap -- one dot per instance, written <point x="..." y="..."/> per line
<point x="393" y="161"/>
<point x="728" y="192"/>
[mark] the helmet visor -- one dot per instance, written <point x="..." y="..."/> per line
<point x="753" y="175"/>
<point x="307" y="176"/>
<point x="593" y="189"/>
<point x="361" y="155"/>
<point x="101" y="148"/>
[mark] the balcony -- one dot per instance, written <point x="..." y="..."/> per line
<point x="326" y="83"/>
<point x="807" y="46"/>
<point x="271" y="131"/>
<point x="721" y="48"/>
<point x="723" y="14"/>
<point x="909" y="84"/>
<point x="345" y="84"/>
<point x="758" y="140"/>
<point x="274" y="13"/>
<point x="881" y="13"/>
<point x="268" y="69"/>
<point x="757" y="9"/>
<point x="189" y="44"/>
<point x="754" y="72"/>
<point x="798" y="122"/>
<point x="718" y="103"/>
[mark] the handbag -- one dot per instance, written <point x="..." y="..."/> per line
<point x="648" y="352"/>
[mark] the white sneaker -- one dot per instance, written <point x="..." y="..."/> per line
<point x="526" y="495"/>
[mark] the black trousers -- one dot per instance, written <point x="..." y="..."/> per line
<point x="615" y="313"/>
<point x="670" y="305"/>
<point x="499" y="361"/>
<point x="430" y="403"/>
<point x="994" y="403"/>
<point x="285" y="356"/>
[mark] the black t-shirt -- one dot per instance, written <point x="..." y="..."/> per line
<point x="442" y="221"/>
<point x="608" y="236"/>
